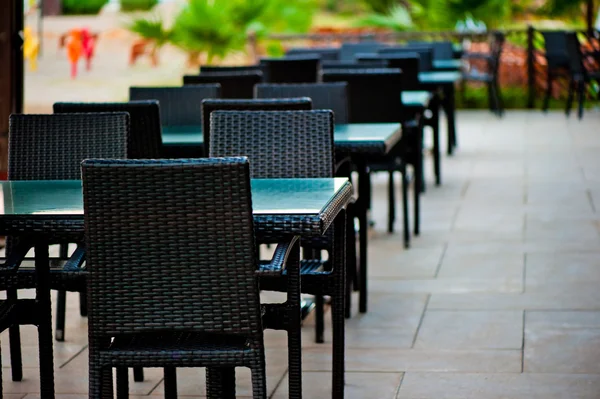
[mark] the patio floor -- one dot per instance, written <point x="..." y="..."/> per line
<point x="498" y="298"/>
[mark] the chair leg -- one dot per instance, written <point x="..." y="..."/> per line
<point x="100" y="382"/>
<point x="138" y="374"/>
<point x="405" y="217"/>
<point x="122" y="383"/>
<point x="170" y="382"/>
<point x="581" y="98"/>
<point x="546" y="103"/>
<point x="61" y="309"/>
<point x="570" y="97"/>
<point x="220" y="383"/>
<point x="83" y="308"/>
<point x="491" y="98"/>
<point x="319" y="319"/>
<point x="499" y="100"/>
<point x="14" y="337"/>
<point x="435" y="125"/>
<point x="391" y="203"/>
<point x="259" y="383"/>
<point x="351" y="261"/>
<point x="337" y="313"/>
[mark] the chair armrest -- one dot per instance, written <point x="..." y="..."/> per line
<point x="278" y="262"/>
<point x="477" y="56"/>
<point x="76" y="260"/>
<point x="17" y="255"/>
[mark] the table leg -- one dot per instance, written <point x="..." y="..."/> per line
<point x="435" y="125"/>
<point x="295" y="320"/>
<point x="450" y="109"/>
<point x="364" y="187"/>
<point x="337" y="308"/>
<point x="44" y="304"/>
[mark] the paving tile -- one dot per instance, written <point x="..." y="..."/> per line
<point x="562" y="272"/>
<point x="575" y="300"/>
<point x="390" y="260"/>
<point x="562" y="342"/>
<point x="358" y="385"/>
<point x="504" y="266"/>
<point x="499" y="386"/>
<point x="446" y="285"/>
<point x="471" y="330"/>
<point x="435" y="360"/>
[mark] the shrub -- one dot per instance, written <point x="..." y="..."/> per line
<point x="137" y="5"/>
<point x="80" y="7"/>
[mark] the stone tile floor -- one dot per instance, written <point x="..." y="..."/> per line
<point x="497" y="299"/>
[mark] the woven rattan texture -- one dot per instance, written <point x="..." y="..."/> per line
<point x="280" y="144"/>
<point x="210" y="105"/>
<point x="374" y="94"/>
<point x="179" y="106"/>
<point x="144" y="137"/>
<point x="233" y="84"/>
<point x="331" y="96"/>
<point x="170" y="246"/>
<point x="293" y="69"/>
<point x="51" y="147"/>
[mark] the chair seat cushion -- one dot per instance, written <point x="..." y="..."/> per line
<point x="419" y="99"/>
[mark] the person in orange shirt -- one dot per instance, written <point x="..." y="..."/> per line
<point x="74" y="50"/>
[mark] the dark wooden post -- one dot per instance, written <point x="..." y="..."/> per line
<point x="590" y="17"/>
<point x="11" y="70"/>
<point x="530" y="68"/>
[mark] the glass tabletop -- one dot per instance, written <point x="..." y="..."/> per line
<point x="352" y="132"/>
<point x="182" y="135"/>
<point x="447" y="64"/>
<point x="420" y="98"/>
<point x="269" y="197"/>
<point x="440" y="77"/>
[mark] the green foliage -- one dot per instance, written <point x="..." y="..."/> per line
<point x="79" y="7"/>
<point x="435" y="14"/>
<point x="210" y="26"/>
<point x="151" y="29"/>
<point x="381" y="6"/>
<point x="221" y="27"/>
<point x="137" y="5"/>
<point x="563" y="7"/>
<point x="398" y="19"/>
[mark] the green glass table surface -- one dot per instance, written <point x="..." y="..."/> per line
<point x="64" y="198"/>
<point x="345" y="134"/>
<point x="416" y="98"/>
<point x="440" y="77"/>
<point x="182" y="135"/>
<point x="447" y="64"/>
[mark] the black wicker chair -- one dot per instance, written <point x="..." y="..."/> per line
<point x="286" y="104"/>
<point x="580" y="75"/>
<point x="144" y="143"/>
<point x="179" y="106"/>
<point x="425" y="54"/>
<point x="375" y="96"/>
<point x="489" y="76"/>
<point x="293" y="144"/>
<point x="51" y="147"/>
<point x="349" y="50"/>
<point x="233" y="84"/>
<point x="292" y="69"/>
<point x="233" y="68"/>
<point x="557" y="59"/>
<point x="326" y="53"/>
<point x="331" y="96"/>
<point x="408" y="63"/>
<point x="144" y="118"/>
<point x="155" y="308"/>
<point x="442" y="50"/>
<point x="353" y="64"/>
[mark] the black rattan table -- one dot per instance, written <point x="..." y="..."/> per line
<point x="44" y="210"/>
